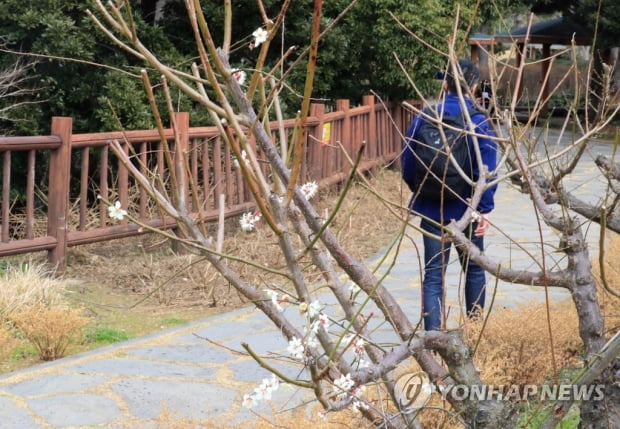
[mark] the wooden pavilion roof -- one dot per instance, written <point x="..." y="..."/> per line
<point x="554" y="31"/>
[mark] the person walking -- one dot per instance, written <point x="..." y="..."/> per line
<point x="437" y="207"/>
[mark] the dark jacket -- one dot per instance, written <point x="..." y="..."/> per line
<point x="444" y="211"/>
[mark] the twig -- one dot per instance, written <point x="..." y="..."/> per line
<point x="263" y="364"/>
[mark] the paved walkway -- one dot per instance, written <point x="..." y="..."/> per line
<point x="127" y="385"/>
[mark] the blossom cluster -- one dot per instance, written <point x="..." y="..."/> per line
<point x="248" y="221"/>
<point x="297" y="348"/>
<point x="318" y="320"/>
<point x="310" y="189"/>
<point x="262" y="392"/>
<point x="345" y="386"/>
<point x="273" y="296"/>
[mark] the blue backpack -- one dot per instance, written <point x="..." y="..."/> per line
<point x="436" y="178"/>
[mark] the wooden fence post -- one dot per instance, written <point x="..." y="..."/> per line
<point x="401" y="119"/>
<point x="372" y="150"/>
<point x="343" y="106"/>
<point x="58" y="192"/>
<point x="315" y="166"/>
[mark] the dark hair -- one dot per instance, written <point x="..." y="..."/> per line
<point x="469" y="72"/>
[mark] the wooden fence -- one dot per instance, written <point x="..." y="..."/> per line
<point x="63" y="174"/>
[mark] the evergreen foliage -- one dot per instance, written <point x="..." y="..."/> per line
<point x="357" y="56"/>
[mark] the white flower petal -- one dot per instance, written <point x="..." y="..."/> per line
<point x="249" y="401"/>
<point x="296" y="348"/>
<point x="314" y="309"/>
<point x="239" y="76"/>
<point x="115" y="211"/>
<point x="260" y="36"/>
<point x="309" y="189"/>
<point x="247" y="221"/>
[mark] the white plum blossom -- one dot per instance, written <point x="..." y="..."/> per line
<point x="262" y="392"/>
<point x="249" y="401"/>
<point x="314" y="328"/>
<point x="357" y="405"/>
<point x="358" y="346"/>
<point x="296" y="348"/>
<point x="303" y="307"/>
<point x="274" y="382"/>
<point x="309" y="189"/>
<point x="344" y="382"/>
<point x="476" y="216"/>
<point x="343" y="385"/>
<point x="323" y="321"/>
<point x="239" y="76"/>
<point x="347" y="339"/>
<point x="314" y="309"/>
<point x="248" y="220"/>
<point x="260" y="36"/>
<point x="358" y="391"/>
<point x="116" y="212"/>
<point x="273" y="295"/>
<point x="244" y="158"/>
<point x="312" y="342"/>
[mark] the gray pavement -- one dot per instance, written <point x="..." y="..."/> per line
<point x="130" y="384"/>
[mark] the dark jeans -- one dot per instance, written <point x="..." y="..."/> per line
<point x="436" y="257"/>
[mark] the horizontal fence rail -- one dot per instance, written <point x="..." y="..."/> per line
<point x="54" y="187"/>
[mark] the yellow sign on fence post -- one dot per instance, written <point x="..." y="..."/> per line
<point x="327" y="133"/>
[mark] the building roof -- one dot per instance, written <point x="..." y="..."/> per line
<point x="481" y="39"/>
<point x="554" y="31"/>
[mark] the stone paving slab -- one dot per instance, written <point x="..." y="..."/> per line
<point x="128" y="384"/>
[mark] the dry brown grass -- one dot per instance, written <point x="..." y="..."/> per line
<point x="7" y="341"/>
<point x="299" y="419"/>
<point x="26" y="285"/>
<point x="515" y="347"/>
<point x="610" y="302"/>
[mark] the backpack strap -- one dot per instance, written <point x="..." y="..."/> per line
<point x="473" y="112"/>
